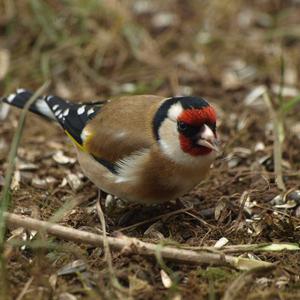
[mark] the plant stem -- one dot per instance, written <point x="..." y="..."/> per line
<point x="6" y="194"/>
<point x="278" y="132"/>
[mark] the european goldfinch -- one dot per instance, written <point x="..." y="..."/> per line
<point x="146" y="149"/>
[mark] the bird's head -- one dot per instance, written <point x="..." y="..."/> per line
<point x="185" y="128"/>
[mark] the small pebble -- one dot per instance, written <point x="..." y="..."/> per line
<point x="297" y="212"/>
<point x="62" y="159"/>
<point x="39" y="183"/>
<point x="294" y="196"/>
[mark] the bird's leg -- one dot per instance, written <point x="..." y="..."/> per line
<point x="112" y="205"/>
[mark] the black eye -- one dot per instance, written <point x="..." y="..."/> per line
<point x="212" y="126"/>
<point x="187" y="129"/>
<point x="182" y="126"/>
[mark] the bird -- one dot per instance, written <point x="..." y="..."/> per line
<point x="144" y="149"/>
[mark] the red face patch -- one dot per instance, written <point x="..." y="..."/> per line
<point x="196" y="117"/>
<point x="188" y="146"/>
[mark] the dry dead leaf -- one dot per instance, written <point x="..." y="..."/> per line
<point x="221" y="242"/>
<point x="74" y="181"/>
<point x="4" y="62"/>
<point x="67" y="296"/>
<point x="62" y="159"/>
<point x="4" y="110"/>
<point x="15" y="184"/>
<point x="53" y="281"/>
<point x="166" y="280"/>
<point x="164" y="19"/>
<point x="76" y="266"/>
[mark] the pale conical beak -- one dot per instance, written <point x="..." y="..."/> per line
<point x="207" y="139"/>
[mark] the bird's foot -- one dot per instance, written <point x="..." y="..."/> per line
<point x="113" y="205"/>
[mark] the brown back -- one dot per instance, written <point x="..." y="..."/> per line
<point x="122" y="127"/>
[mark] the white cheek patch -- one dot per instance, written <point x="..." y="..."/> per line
<point x="174" y="111"/>
<point x="170" y="145"/>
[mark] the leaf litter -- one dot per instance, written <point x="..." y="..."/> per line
<point x="243" y="210"/>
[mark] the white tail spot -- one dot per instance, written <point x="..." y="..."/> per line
<point x="11" y="98"/>
<point x="19" y="91"/>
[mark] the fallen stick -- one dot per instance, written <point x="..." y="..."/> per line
<point x="133" y="245"/>
<point x="264" y="247"/>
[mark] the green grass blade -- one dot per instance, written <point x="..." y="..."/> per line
<point x="287" y="107"/>
<point x="5" y="196"/>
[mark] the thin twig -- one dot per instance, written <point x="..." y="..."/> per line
<point x="113" y="278"/>
<point x="278" y="212"/>
<point x="264" y="247"/>
<point x="133" y="245"/>
<point x="278" y="140"/>
<point x="5" y="195"/>
<point x="172" y="213"/>
<point x="106" y="247"/>
<point x="25" y="289"/>
<point x="200" y="220"/>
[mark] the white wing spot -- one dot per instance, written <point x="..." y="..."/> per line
<point x="81" y="110"/>
<point x="19" y="91"/>
<point x="90" y="111"/>
<point x="55" y="107"/>
<point x="60" y="116"/>
<point x="66" y="112"/>
<point x="49" y="98"/>
<point x="11" y="98"/>
<point x="58" y="112"/>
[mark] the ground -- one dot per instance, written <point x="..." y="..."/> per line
<point x="229" y="52"/>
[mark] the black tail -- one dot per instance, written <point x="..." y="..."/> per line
<point x="20" y="98"/>
<point x="71" y="116"/>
